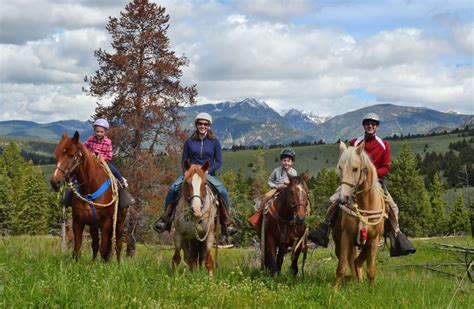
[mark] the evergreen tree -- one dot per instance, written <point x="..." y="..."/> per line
<point x="326" y="184"/>
<point x="459" y="219"/>
<point x="6" y="198"/>
<point x="438" y="207"/>
<point x="407" y="188"/>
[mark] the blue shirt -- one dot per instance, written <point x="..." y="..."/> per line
<point x="198" y="151"/>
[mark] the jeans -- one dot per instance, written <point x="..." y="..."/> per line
<point x="175" y="187"/>
<point x="116" y="172"/>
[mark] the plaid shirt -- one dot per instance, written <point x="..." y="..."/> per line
<point x="101" y="148"/>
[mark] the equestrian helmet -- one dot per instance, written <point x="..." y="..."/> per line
<point x="371" y="116"/>
<point x="101" y="122"/>
<point x="203" y="116"/>
<point x="288" y="153"/>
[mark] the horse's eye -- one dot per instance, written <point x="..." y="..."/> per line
<point x="355" y="169"/>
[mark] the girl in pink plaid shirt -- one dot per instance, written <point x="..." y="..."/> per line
<point x="100" y="145"/>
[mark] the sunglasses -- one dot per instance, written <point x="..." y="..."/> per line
<point x="206" y="124"/>
<point x="371" y="123"/>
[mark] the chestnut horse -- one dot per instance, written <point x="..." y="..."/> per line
<point x="93" y="201"/>
<point x="283" y="225"/>
<point x="194" y="221"/>
<point x="361" y="221"/>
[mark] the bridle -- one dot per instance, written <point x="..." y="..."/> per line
<point x="355" y="185"/>
<point x="67" y="172"/>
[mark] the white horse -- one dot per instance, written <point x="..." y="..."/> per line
<point x="194" y="221"/>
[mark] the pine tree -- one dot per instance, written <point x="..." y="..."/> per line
<point x="6" y="198"/>
<point x="438" y="206"/>
<point x="407" y="188"/>
<point x="459" y="219"/>
<point x="326" y="184"/>
<point x="141" y="78"/>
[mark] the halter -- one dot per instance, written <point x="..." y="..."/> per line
<point x="354" y="186"/>
<point x="193" y="196"/>
<point x="67" y="172"/>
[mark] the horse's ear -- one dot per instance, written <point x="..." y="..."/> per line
<point x="306" y="176"/>
<point x="342" y="147"/>
<point x="290" y="177"/>
<point x="75" y="138"/>
<point x="205" y="166"/>
<point x="64" y="136"/>
<point x="360" y="148"/>
<point x="187" y="165"/>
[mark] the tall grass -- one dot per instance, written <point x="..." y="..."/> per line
<point x="35" y="273"/>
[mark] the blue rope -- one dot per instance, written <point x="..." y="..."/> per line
<point x="93" y="196"/>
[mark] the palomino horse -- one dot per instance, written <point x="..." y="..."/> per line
<point x="194" y="221"/>
<point x="94" y="198"/>
<point x="284" y="224"/>
<point x="361" y="221"/>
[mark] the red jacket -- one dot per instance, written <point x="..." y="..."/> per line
<point x="378" y="151"/>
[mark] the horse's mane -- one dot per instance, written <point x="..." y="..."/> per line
<point x="91" y="164"/>
<point x="350" y="154"/>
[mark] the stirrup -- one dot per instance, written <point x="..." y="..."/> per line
<point x="320" y="235"/>
<point x="161" y="225"/>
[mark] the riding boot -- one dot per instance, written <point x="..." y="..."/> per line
<point x="125" y="198"/>
<point x="228" y="225"/>
<point x="66" y="200"/>
<point x="164" y="222"/>
<point x="320" y="236"/>
<point x="400" y="245"/>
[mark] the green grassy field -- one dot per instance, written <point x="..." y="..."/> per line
<point x="35" y="273"/>
<point x="314" y="158"/>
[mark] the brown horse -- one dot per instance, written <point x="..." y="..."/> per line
<point x="75" y="163"/>
<point x="194" y="222"/>
<point x="361" y="221"/>
<point x="283" y="225"/>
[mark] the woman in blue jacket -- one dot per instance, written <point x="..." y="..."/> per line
<point x="202" y="145"/>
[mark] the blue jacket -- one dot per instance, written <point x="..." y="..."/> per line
<point x="198" y="151"/>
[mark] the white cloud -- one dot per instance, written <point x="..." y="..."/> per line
<point x="283" y="10"/>
<point x="464" y="36"/>
<point x="287" y="53"/>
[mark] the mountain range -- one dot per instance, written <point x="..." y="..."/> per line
<point x="251" y="122"/>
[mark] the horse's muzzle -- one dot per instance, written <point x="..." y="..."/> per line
<point x="56" y="184"/>
<point x="299" y="221"/>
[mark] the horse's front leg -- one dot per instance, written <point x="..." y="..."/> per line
<point x="374" y="247"/>
<point x="119" y="231"/>
<point x="105" y="239"/>
<point x="282" y="250"/>
<point x="78" y="229"/>
<point x="344" y="248"/>
<point x="270" y="254"/>
<point x="294" y="261"/>
<point x="94" y="231"/>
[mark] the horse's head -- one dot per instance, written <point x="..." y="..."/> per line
<point x="297" y="196"/>
<point x="353" y="167"/>
<point x="194" y="186"/>
<point x="69" y="153"/>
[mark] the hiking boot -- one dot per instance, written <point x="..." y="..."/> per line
<point x="125" y="198"/>
<point x="320" y="236"/>
<point x="400" y="245"/>
<point x="161" y="225"/>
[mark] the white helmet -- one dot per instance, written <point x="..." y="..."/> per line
<point x="371" y="116"/>
<point x="203" y="116"/>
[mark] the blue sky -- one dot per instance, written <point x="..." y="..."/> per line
<point x="328" y="57"/>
